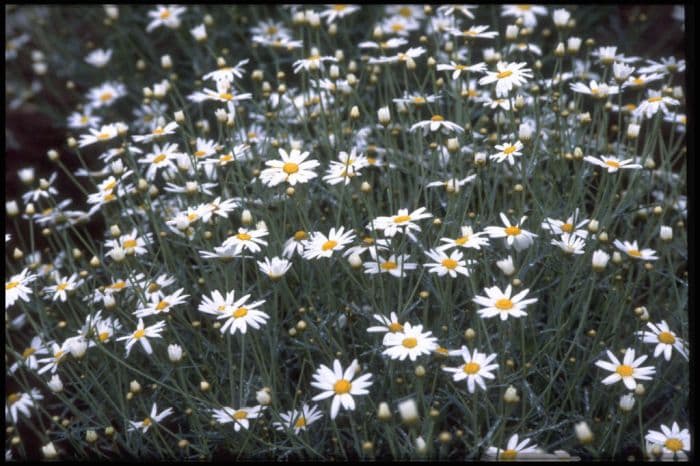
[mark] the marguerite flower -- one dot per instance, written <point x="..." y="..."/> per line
<point x="293" y="168"/>
<point x="598" y="91"/>
<point x="437" y="122"/>
<point x="165" y="15"/>
<point x="35" y="348"/>
<point x="298" y="420"/>
<point x="674" y="440"/>
<point x="153" y="418"/>
<point x="99" y="57"/>
<point x="340" y="385"/>
<point x="389" y="324"/>
<point x="63" y="286"/>
<point x="246" y="239"/>
<point x="443" y="264"/>
<point x="17" y="287"/>
<point x="515" y="236"/>
<point x="664" y="339"/>
<point x="402" y="222"/>
<point x="19" y="402"/>
<point x="476" y="367"/>
<point x="613" y="164"/>
<point x="627" y="371"/>
<point x="458" y="69"/>
<point x="410" y="342"/>
<point x="274" y="268"/>
<point x="105" y="133"/>
<point x="162" y="306"/>
<point x="632" y="250"/>
<point x="507" y="152"/>
<point x="569" y="226"/>
<point x="528" y="13"/>
<point x="320" y="245"/>
<point x="653" y="103"/>
<point x="241" y="314"/>
<point x="467" y="239"/>
<point x="499" y="303"/>
<point x="515" y="450"/>
<point x="395" y="265"/>
<point x="141" y="335"/>
<point x="507" y="76"/>
<point x="240" y="417"/>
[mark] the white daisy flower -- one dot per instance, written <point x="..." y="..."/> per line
<point x="443" y="264"/>
<point x="402" y="222"/>
<point x="16" y="287"/>
<point x="468" y="239"/>
<point x="162" y="306"/>
<point x="240" y="417"/>
<point x="507" y="76"/>
<point x="246" y="239"/>
<point x="437" y="122"/>
<point x="476" y="367"/>
<point x="141" y="335"/>
<point x="612" y="163"/>
<point x="298" y="420"/>
<point x="633" y="251"/>
<point x="515" y="450"/>
<point x="340" y="385"/>
<point x="153" y="418"/>
<point x="507" y="152"/>
<point x="674" y="440"/>
<point x="410" y="342"/>
<point x="389" y="324"/>
<point x="293" y="168"/>
<point x="570" y="244"/>
<point x="395" y="265"/>
<point x="320" y="245"/>
<point x="274" y="268"/>
<point x="499" y="303"/>
<point x="515" y="236"/>
<point x="664" y="339"/>
<point x="20" y="403"/>
<point x="627" y="371"/>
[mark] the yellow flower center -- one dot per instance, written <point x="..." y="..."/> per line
<point x="28" y="352"/>
<point x="461" y="240"/>
<point x="61" y="286"/>
<point x="612" y="163"/>
<point x="504" y="74"/>
<point x="243" y="236"/>
<point x="397" y="27"/>
<point x="470" y="32"/>
<point x="109" y="197"/>
<point x="200" y="153"/>
<point x="226" y="158"/>
<point x="402" y="218"/>
<point x="162" y="305"/>
<point x="395" y="327"/>
<point x="652" y="100"/>
<point x="290" y="168"/>
<point x="147" y="422"/>
<point x="624" y="370"/>
<point x="418" y="100"/>
<point x="667" y="338"/>
<point x="240" y="414"/>
<point x="330" y="244"/>
<point x="106" y="96"/>
<point x="409" y="342"/>
<point x="109" y="186"/>
<point x="103" y="336"/>
<point x="130" y="243"/>
<point x="342" y="387"/>
<point x="638" y="81"/>
<point x="139" y="334"/>
<point x="508" y="455"/>
<point x="567" y="228"/>
<point x="634" y="253"/>
<point x="120" y="285"/>
<point x="272" y="30"/>
<point x="339" y="7"/>
<point x="368" y="240"/>
<point x="524" y="7"/>
<point x="14" y="398"/>
<point x="221" y="308"/>
<point x="104" y="135"/>
<point x="437" y="118"/>
<point x="158" y="131"/>
<point x="225" y="96"/>
<point x="471" y="368"/>
<point x="165" y="14"/>
<point x="301" y="422"/>
<point x="191" y="217"/>
<point x="449" y="263"/>
<point x="58" y="354"/>
<point x="509" y="150"/>
<point x="673" y="444"/>
<point x="512" y="231"/>
<point x="504" y="304"/>
<point x="388" y="265"/>
<point x="9" y="286"/>
<point x="240" y="312"/>
<point x="405" y="12"/>
<point x="159" y="158"/>
<point x="300" y="235"/>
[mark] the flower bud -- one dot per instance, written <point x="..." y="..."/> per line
<point x="12" y="208"/>
<point x="409" y="411"/>
<point x="334" y="72"/>
<point x="166" y="62"/>
<point x="246" y="217"/>
<point x="17" y="254"/>
<point x="383" y="412"/>
<point x="204" y="385"/>
<point x="263" y="396"/>
<point x="639" y="389"/>
<point x="511" y="395"/>
<point x="384" y="116"/>
<point x="583" y="432"/>
<point x="593" y="226"/>
<point x="559" y="51"/>
<point x="180" y="116"/>
<point x="627" y="402"/>
<point x="421" y="446"/>
<point x="617" y="257"/>
<point x="666" y="233"/>
<point x="573" y="45"/>
<point x="354" y="112"/>
<point x="355" y="261"/>
<point x="174" y="353"/>
<point x="55" y="384"/>
<point x="506" y="266"/>
<point x="410" y="64"/>
<point x="511" y="32"/>
<point x="632" y="131"/>
<point x="134" y="386"/>
<point x="78" y="347"/>
<point x="49" y="451"/>
<point x="53" y="155"/>
<point x="561" y="17"/>
<point x="600" y="260"/>
<point x="91" y="436"/>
